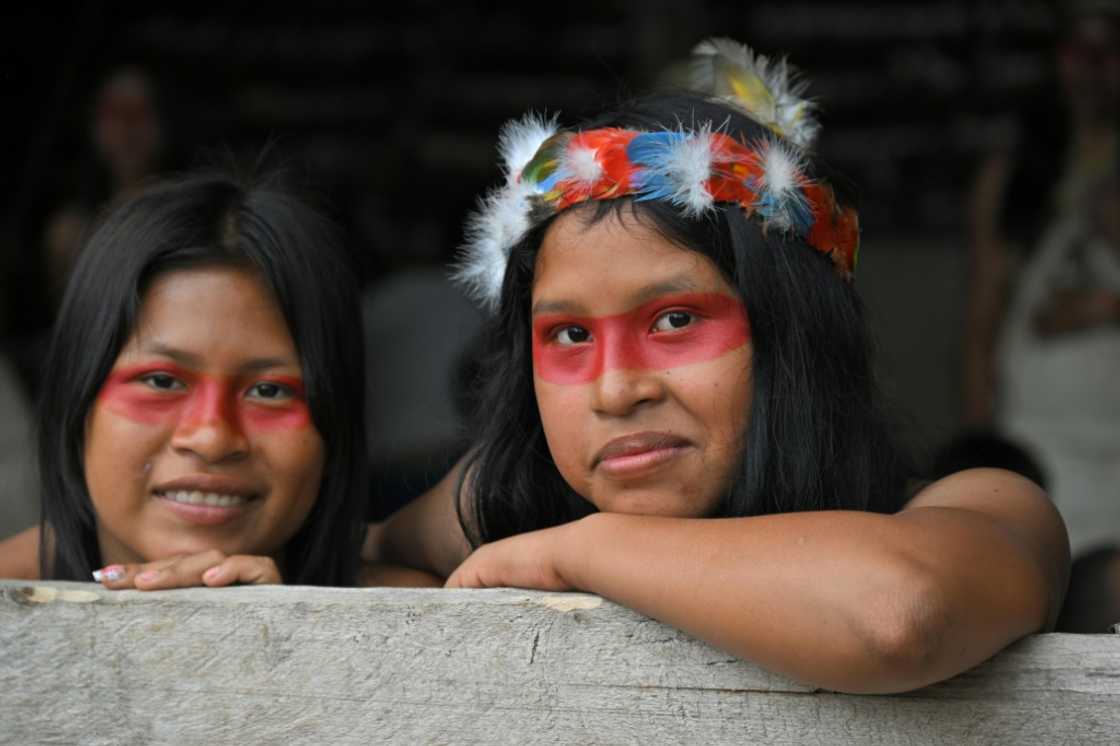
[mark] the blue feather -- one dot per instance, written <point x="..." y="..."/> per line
<point x="649" y="151"/>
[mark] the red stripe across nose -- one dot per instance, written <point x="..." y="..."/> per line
<point x="202" y="399"/>
<point x="210" y="403"/>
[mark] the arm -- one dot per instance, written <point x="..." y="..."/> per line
<point x="425" y="534"/>
<point x="19" y="555"/>
<point x="848" y="601"/>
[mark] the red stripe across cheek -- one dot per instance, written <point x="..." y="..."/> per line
<point x="289" y="414"/>
<point x="627" y="341"/>
<point x="125" y="394"/>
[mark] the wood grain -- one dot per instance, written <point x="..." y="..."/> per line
<point x="313" y="665"/>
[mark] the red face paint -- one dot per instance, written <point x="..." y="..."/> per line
<point x="196" y="399"/>
<point x="636" y="340"/>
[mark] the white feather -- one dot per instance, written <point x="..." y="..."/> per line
<point x="689" y="166"/>
<point x="707" y="53"/>
<point x="792" y="114"/>
<point x="520" y="139"/>
<point x="502" y="216"/>
<point x="781" y="168"/>
<point x="783" y="177"/>
<point x="500" y="221"/>
<point x="582" y="165"/>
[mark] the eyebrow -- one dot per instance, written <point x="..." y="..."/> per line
<point x="191" y="360"/>
<point x="677" y="284"/>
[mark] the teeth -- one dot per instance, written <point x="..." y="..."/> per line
<point x="192" y="497"/>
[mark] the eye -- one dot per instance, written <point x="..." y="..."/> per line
<point x="672" y="320"/>
<point x="572" y="335"/>
<point x="162" y="382"/>
<point x="269" y="391"/>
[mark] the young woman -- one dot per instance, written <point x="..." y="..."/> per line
<point x="200" y="419"/>
<point x="679" y="413"/>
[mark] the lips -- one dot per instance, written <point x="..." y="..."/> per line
<point x="638" y="452"/>
<point x="206" y="500"/>
<point x="208" y="484"/>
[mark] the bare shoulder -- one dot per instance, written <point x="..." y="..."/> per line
<point x="19" y="555"/>
<point x="986" y="490"/>
<point x="1011" y="500"/>
<point x="1009" y="508"/>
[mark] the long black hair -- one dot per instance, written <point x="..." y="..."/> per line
<point x="208" y="219"/>
<point x="818" y="436"/>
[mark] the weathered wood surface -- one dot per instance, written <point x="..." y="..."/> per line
<point x="79" y="664"/>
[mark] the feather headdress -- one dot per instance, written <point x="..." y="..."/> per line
<point x="768" y="91"/>
<point x="548" y="170"/>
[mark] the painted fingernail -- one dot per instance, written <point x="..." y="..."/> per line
<point x="148" y="576"/>
<point x="110" y="573"/>
<point x="212" y="573"/>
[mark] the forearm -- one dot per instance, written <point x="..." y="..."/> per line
<point x="795" y="594"/>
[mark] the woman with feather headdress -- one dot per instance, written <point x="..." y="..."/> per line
<point x="678" y="410"/>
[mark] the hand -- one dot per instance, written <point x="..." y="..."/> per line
<point x="212" y="568"/>
<point x="537" y="560"/>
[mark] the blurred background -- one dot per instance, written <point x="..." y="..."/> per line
<point x="393" y="111"/>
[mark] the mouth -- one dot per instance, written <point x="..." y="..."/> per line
<point x="633" y="455"/>
<point x="206" y="501"/>
<point x="215" y="499"/>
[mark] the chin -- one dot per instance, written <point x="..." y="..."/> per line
<point x="188" y="546"/>
<point x="648" y="502"/>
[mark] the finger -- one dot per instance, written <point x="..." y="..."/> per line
<point x="185" y="572"/>
<point x="465" y="577"/>
<point x="243" y="568"/>
<point x="121" y="576"/>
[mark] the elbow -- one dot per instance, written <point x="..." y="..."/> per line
<point x="902" y="633"/>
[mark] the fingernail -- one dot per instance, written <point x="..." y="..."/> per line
<point x="148" y="576"/>
<point x="110" y="573"/>
<point x="212" y="573"/>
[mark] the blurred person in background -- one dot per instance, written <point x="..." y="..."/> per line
<point x="1042" y="357"/>
<point x="127" y="139"/>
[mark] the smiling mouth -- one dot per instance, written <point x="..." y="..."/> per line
<point x="207" y="499"/>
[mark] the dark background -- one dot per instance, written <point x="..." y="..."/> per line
<point x="393" y="111"/>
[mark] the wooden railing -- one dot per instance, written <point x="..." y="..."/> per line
<point x="79" y="664"/>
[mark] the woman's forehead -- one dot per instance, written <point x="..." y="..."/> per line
<point x="216" y="315"/>
<point x="616" y="262"/>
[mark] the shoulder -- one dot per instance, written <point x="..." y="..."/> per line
<point x="19" y="555"/>
<point x="1010" y="509"/>
<point x="1005" y="497"/>
<point x="983" y="489"/>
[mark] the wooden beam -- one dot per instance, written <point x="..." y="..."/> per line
<point x="320" y="665"/>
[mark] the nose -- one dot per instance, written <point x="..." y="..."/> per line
<point x="619" y="391"/>
<point x="209" y="427"/>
